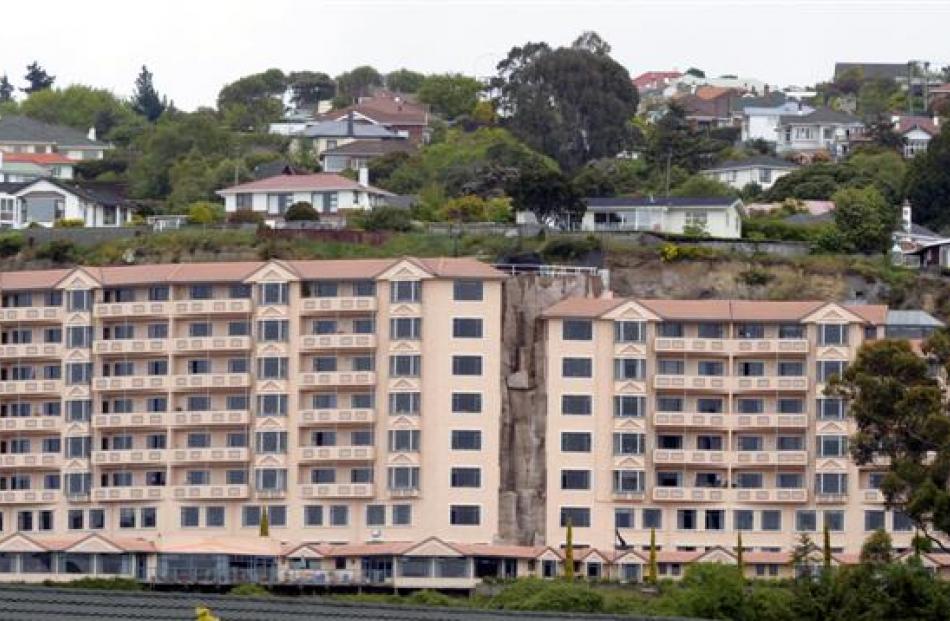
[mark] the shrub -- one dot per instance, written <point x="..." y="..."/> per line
<point x="249" y="590"/>
<point x="205" y="213"/>
<point x="536" y="594"/>
<point x="58" y="251"/>
<point x="566" y="249"/>
<point x="302" y="211"/>
<point x="245" y="216"/>
<point x="69" y="223"/>
<point x="10" y="244"/>
<point x="430" y="598"/>
<point x="755" y="277"/>
<point x="107" y="584"/>
<point x="385" y="219"/>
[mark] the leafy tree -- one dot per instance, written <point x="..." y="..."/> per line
<point x="882" y="134"/>
<point x="569" y="552"/>
<point x="264" y="527"/>
<point x="547" y="194"/>
<point x="251" y="102"/>
<point x="450" y="94"/>
<point x="473" y="208"/>
<point x="611" y="177"/>
<point x="359" y="82"/>
<point x="37" y="78"/>
<point x="591" y="42"/>
<point x="928" y="183"/>
<point x="672" y="141"/>
<point x="205" y="213"/>
<point x="404" y="81"/>
<point x="712" y="591"/>
<point x="864" y="219"/>
<point x="900" y="414"/>
<point x="385" y="218"/>
<point x="877" y="548"/>
<point x="651" y="562"/>
<point x="145" y="99"/>
<point x="696" y="73"/>
<point x="571" y="104"/>
<point x="6" y="89"/>
<point x="308" y="88"/>
<point x="874" y="97"/>
<point x="302" y="211"/>
<point x="740" y="555"/>
<point x="701" y="186"/>
<point x="826" y="547"/>
<point x="77" y="106"/>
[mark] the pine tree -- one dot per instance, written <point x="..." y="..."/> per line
<point x="826" y="548"/>
<point x="38" y="78"/>
<point x="740" y="561"/>
<point x="265" y="523"/>
<point x="6" y="89"/>
<point x="145" y="99"/>
<point x="569" y="552"/>
<point x="652" y="569"/>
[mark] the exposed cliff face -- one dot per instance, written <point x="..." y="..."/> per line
<point x="524" y="403"/>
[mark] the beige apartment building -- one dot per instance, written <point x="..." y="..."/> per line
<point x="703" y="418"/>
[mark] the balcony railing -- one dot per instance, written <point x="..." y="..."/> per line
<point x="51" y="314"/>
<point x="338" y="341"/>
<point x="337" y="305"/>
<point x="31" y="423"/>
<point x="770" y="458"/>
<point x="30" y="497"/>
<point x="132" y="382"/>
<point x="212" y="380"/>
<point x="770" y="421"/>
<point x="335" y="453"/>
<point x="685" y="456"/>
<point x="210" y="492"/>
<point x="339" y="378"/>
<point x="338" y="490"/>
<point x="207" y="307"/>
<point x="205" y="419"/>
<point x="204" y="455"/>
<point x="770" y="383"/>
<point x="337" y="416"/>
<point x="141" y="420"/>
<point x="128" y="457"/>
<point x="32" y="387"/>
<point x="211" y="344"/>
<point x="31" y="460"/>
<point x="130" y="346"/>
<point x="127" y="494"/>
<point x="716" y="383"/>
<point x="131" y="309"/>
<point x="689" y="494"/>
<point x="769" y="495"/>
<point x="32" y="350"/>
<point x="875" y="496"/>
<point x="683" y="419"/>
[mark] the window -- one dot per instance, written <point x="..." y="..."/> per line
<point x="375" y="515"/>
<point x="714" y="519"/>
<point x="669" y="442"/>
<point x="577" y="330"/>
<point x="629" y="368"/>
<point x="576" y="367"/>
<point x="771" y="519"/>
<point x="273" y="330"/>
<point x="270" y="479"/>
<point x="750" y="369"/>
<point x="653" y="518"/>
<point x="831" y="409"/>
<point x="403" y="477"/>
<point x="670" y="367"/>
<point x="272" y="368"/>
<point x="78" y="300"/>
<point x="749" y="443"/>
<point x="464" y="515"/>
<point x="750" y="331"/>
<point x="686" y="519"/>
<point x="626" y="406"/>
<point x="577" y="405"/>
<point x="271" y="442"/>
<point x="708" y="443"/>
<point x="671" y="330"/>
<point x="575" y="442"/>
<point x="405" y="403"/>
<point x="404" y="440"/>
<point x="199" y="440"/>
<point x="791" y="369"/>
<point x="791" y="406"/>
<point x="629" y="332"/>
<point x="749" y="480"/>
<point x="190" y="517"/>
<point x="628" y="481"/>
<point x="789" y="480"/>
<point x="832" y="446"/>
<point x="710" y="330"/>
<point x="405" y="291"/>
<point x="831" y="483"/>
<point x="466" y="328"/>
<point x="462" y="402"/>
<point x="902" y="523"/>
<point x="669" y="404"/>
<point x="401" y="515"/>
<point x="405" y="365"/>
<point x="575" y="516"/>
<point x="806" y="521"/>
<point x="324" y="364"/>
<point x="873" y="520"/>
<point x="743" y="519"/>
<point x="791" y="331"/>
<point x="313" y="515"/>
<point x="575" y="479"/>
<point x="832" y="334"/>
<point x="623" y="518"/>
<point x="199" y="329"/>
<point x="466" y="477"/>
<point x="468" y="290"/>
<point x="273" y="293"/>
<point x="827" y="368"/>
<point x="79" y="336"/>
<point x="710" y="367"/>
<point x="272" y="405"/>
<point x="629" y="443"/>
<point x="239" y="328"/>
<point x="709" y="406"/>
<point x="466" y="440"/>
<point x="790" y="443"/>
<point x="126" y="517"/>
<point x="405" y="328"/>
<point x="834" y="520"/>
<point x="466" y="365"/>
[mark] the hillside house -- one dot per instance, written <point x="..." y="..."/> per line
<point x="21" y="134"/>
<point x="715" y="216"/>
<point x="763" y="170"/>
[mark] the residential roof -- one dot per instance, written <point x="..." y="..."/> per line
<point x="667" y="201"/>
<point x="386" y="108"/>
<point x="820" y="115"/>
<point x="923" y="123"/>
<point x="316" y="182"/>
<point x="109" y="194"/>
<point x="649" y="77"/>
<point x="344" y="129"/>
<point x="11" y="187"/>
<point x="44" y="159"/>
<point x="371" y="148"/>
<point x="772" y="100"/>
<point x="759" y="161"/>
<point x="874" y="71"/>
<point x="15" y="128"/>
<point x="912" y="318"/>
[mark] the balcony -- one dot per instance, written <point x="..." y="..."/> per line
<point x="32" y="387"/>
<point x="210" y="307"/>
<point x="32" y="350"/>
<point x="691" y="345"/>
<point x="335" y="453"/>
<point x="211" y="492"/>
<point x="770" y="495"/>
<point x="211" y="344"/>
<point x="311" y="306"/>
<point x="682" y="419"/>
<point x="339" y="416"/>
<point x="142" y="420"/>
<point x="212" y="380"/>
<point x="770" y="421"/>
<point x="770" y="458"/>
<point x="874" y="496"/>
<point x="128" y="494"/>
<point x="206" y="419"/>
<point x="131" y="346"/>
<point x="30" y="497"/>
<point x="714" y="383"/>
<point x="31" y="460"/>
<point x="769" y="383"/>
<point x="338" y="341"/>
<point x="32" y="423"/>
<point x="47" y="314"/>
<point x="132" y="382"/>
<point x="696" y="457"/>
<point x="689" y="494"/>
<point x="768" y="346"/>
<point x="209" y="455"/>
<point x="338" y="490"/>
<point x="339" y="378"/>
<point x="131" y="309"/>
<point x="132" y="457"/>
<point x="830" y="498"/>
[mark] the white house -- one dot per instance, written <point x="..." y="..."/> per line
<point x="44" y="201"/>
<point x="21" y="134"/>
<point x="761" y="123"/>
<point x="20" y="167"/>
<point x="763" y="170"/>
<point x="821" y="130"/>
<point x="715" y="216"/>
<point x="916" y="132"/>
<point x="328" y="193"/>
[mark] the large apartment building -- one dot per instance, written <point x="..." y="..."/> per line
<point x="702" y="418"/>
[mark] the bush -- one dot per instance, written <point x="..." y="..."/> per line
<point x="245" y="216"/>
<point x="249" y="590"/>
<point x="567" y="249"/>
<point x="205" y="213"/>
<point x="430" y="598"/>
<point x="755" y="277"/>
<point x="69" y="223"/>
<point x="58" y="251"/>
<point x="10" y="244"/>
<point x="105" y="584"/>
<point x="385" y="219"/>
<point x="562" y="596"/>
<point x="302" y="211"/>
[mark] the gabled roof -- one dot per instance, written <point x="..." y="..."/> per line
<point x="668" y="201"/>
<point x="343" y="129"/>
<point x="925" y="124"/>
<point x="385" y="108"/>
<point x="820" y="115"/>
<point x="649" y="77"/>
<point x="316" y="182"/>
<point x="43" y="159"/>
<point x="759" y="161"/>
<point x="14" y="128"/>
<point x="371" y="148"/>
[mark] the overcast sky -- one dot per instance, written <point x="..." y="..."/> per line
<point x="196" y="46"/>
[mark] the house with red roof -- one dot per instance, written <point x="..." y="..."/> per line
<point x="655" y="80"/>
<point x="21" y="167"/>
<point x="916" y="132"/>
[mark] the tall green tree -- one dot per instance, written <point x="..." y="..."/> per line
<point x="404" y="80"/>
<point x="826" y="547"/>
<point x="672" y="142"/>
<point x="251" y="102"/>
<point x="308" y="88"/>
<point x="356" y="83"/>
<point x="651" y="561"/>
<point x="572" y="104"/>
<point x="6" y="89"/>
<point x="928" y="184"/>
<point x="145" y="99"/>
<point x="569" y="552"/>
<point x="450" y="94"/>
<point x="37" y="79"/>
<point x="864" y="219"/>
<point x="77" y="106"/>
<point x="740" y="555"/>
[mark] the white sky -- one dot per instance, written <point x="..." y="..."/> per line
<point x="194" y="47"/>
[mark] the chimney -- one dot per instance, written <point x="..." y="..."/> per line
<point x="906" y="219"/>
<point x="936" y="121"/>
<point x="363" y="176"/>
<point x="349" y="123"/>
<point x="92" y="133"/>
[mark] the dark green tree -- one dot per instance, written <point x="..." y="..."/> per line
<point x="697" y="73"/>
<point x="591" y="42"/>
<point x="671" y="141"/>
<point x="864" y="219"/>
<point x="450" y="94"/>
<point x="302" y="211"/>
<point x="572" y="104"/>
<point x="253" y="101"/>
<point x="308" y="88"/>
<point x="356" y="83"/>
<point x="404" y="80"/>
<point x="145" y="99"/>
<point x="928" y="184"/>
<point x="6" y="89"/>
<point x="37" y="78"/>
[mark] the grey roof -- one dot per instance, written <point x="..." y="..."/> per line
<point x="341" y="129"/>
<point x="911" y="318"/>
<point x="758" y="161"/>
<point x="108" y="194"/>
<point x="672" y="201"/>
<point x="820" y="115"/>
<point x="10" y="187"/>
<point x="37" y="603"/>
<point x="15" y="128"/>
<point x="773" y="99"/>
<point x="873" y="71"/>
<point x="371" y="148"/>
